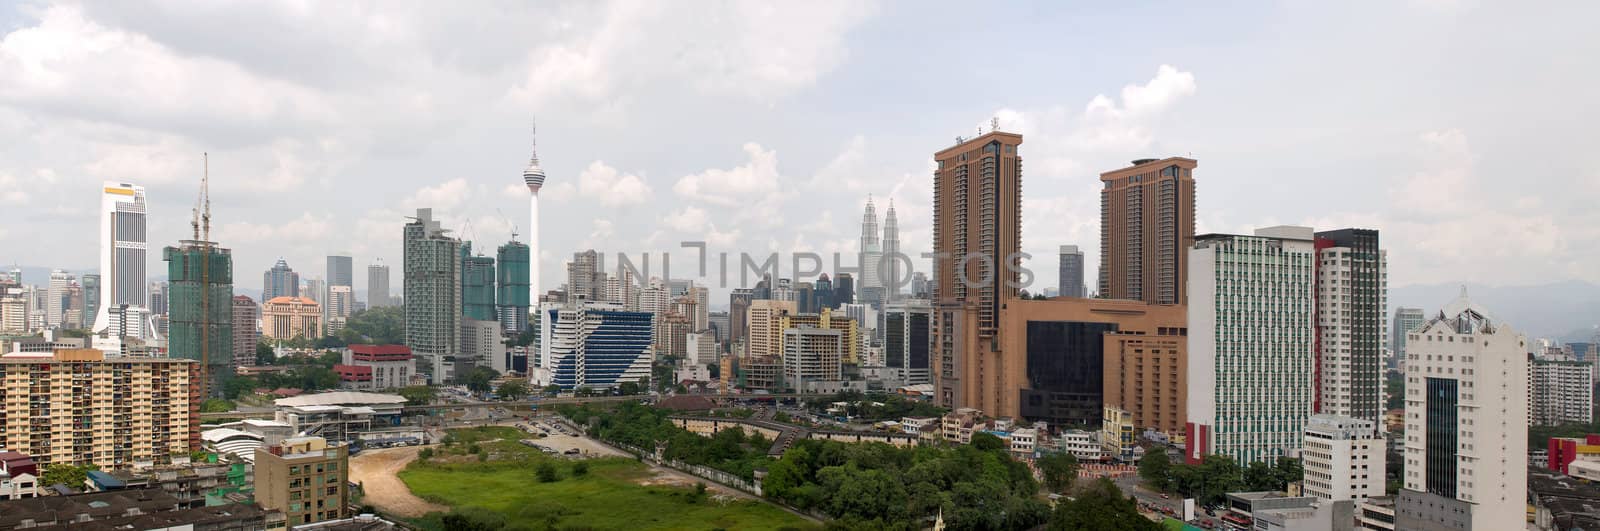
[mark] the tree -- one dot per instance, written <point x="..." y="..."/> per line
<point x="233" y="388"/>
<point x="1155" y="468"/>
<point x="629" y="388"/>
<point x="1059" y="470"/>
<point x="265" y="355"/>
<point x="580" y="469"/>
<point x="418" y="395"/>
<point x="552" y="389"/>
<point x="1100" y="507"/>
<point x="546" y="472"/>
<point x="216" y="405"/>
<point x="1289" y="470"/>
<point x="512" y="390"/>
<point x="1259" y="476"/>
<point x="379" y="326"/>
<point x="65" y="474"/>
<point x="987" y="442"/>
<point x="479" y="379"/>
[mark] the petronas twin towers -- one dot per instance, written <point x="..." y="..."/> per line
<point x="881" y="267"/>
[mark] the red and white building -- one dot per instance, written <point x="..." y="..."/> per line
<point x="374" y="367"/>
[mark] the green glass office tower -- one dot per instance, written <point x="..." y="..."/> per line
<point x="200" y="291"/>
<point x="513" y="287"/>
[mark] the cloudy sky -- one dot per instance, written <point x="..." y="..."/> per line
<point x="1458" y="128"/>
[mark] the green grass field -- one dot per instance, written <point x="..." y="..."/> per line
<point x="608" y="497"/>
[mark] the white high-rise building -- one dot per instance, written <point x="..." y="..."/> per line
<point x="871" y="252"/>
<point x="1250" y="340"/>
<point x="1352" y="289"/>
<point x="702" y="307"/>
<point x="55" y="308"/>
<point x="533" y="176"/>
<point x="1343" y="458"/>
<point x="1466" y="436"/>
<point x="1560" y="391"/>
<point x="122" y="250"/>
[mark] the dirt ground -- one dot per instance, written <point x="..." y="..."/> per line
<point x="378" y="473"/>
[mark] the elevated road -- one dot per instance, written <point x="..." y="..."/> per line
<point x="514" y="404"/>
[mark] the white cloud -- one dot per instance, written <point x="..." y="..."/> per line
<point x="753" y="51"/>
<point x="446" y="197"/>
<point x="734" y="186"/>
<point x="297" y="231"/>
<point x="687" y="219"/>
<point x="610" y="187"/>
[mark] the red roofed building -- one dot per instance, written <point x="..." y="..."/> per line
<point x="374" y="367"/>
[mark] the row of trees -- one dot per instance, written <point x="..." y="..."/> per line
<point x="644" y="427"/>
<point x="1216" y="475"/>
<point x="975" y="486"/>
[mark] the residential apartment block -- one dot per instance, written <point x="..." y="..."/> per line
<point x="74" y="406"/>
<point x="1146" y="229"/>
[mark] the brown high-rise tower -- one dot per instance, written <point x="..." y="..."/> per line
<point x="1146" y="229"/>
<point x="977" y="237"/>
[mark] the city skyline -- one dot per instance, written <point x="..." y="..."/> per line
<point x="1150" y="103"/>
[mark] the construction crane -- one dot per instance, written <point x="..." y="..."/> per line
<point x="508" y="223"/>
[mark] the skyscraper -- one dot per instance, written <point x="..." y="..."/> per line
<point x="315" y="289"/>
<point x="906" y="340"/>
<point x="477" y="285"/>
<point x="280" y="281"/>
<point x="1351" y="293"/>
<point x="91" y="299"/>
<point x="1071" y="272"/>
<point x="246" y="334"/>
<point x="977" y="241"/>
<point x="844" y="290"/>
<point x="512" y="287"/>
<point x="432" y="295"/>
<point x="378" y="295"/>
<point x="533" y="176"/>
<point x="339" y="271"/>
<point x="122" y="250"/>
<point x="1405" y="320"/>
<point x="739" y="315"/>
<point x="158" y="298"/>
<point x="1251" y="370"/>
<point x="581" y="272"/>
<point x="1146" y="229"/>
<point x="891" y="252"/>
<point x="1466" y="436"/>
<point x="56" y="304"/>
<point x="871" y="252"/>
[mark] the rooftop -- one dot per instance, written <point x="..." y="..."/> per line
<point x="338" y="398"/>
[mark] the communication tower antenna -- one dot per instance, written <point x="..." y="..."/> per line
<point x="994" y="123"/>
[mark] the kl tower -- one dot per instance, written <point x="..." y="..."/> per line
<point x="533" y="176"/>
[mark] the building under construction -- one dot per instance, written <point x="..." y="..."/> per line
<point x="200" y="291"/>
<point x="200" y="280"/>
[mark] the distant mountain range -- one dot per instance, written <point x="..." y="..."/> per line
<point x="1564" y="311"/>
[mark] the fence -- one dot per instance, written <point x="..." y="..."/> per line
<point x="701" y="471"/>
